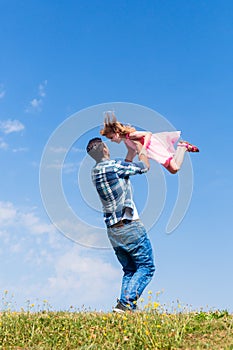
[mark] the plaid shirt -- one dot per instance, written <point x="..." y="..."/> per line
<point x="111" y="179"/>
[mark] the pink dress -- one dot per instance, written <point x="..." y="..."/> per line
<point x="161" y="145"/>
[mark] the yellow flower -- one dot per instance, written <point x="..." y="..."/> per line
<point x="147" y="332"/>
<point x="149" y="291"/>
<point x="158" y="326"/>
<point x="155" y="305"/>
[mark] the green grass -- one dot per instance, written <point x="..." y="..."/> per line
<point x="153" y="327"/>
<point x="92" y="330"/>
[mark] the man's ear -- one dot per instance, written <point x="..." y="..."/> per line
<point x="105" y="151"/>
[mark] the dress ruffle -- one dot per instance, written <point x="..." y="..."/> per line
<point x="161" y="146"/>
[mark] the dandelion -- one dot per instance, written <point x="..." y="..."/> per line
<point x="147" y="332"/>
<point x="155" y="305"/>
<point x="149" y="292"/>
<point x="142" y="300"/>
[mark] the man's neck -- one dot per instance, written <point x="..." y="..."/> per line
<point x="103" y="159"/>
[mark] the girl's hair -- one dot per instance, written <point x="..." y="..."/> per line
<point x="111" y="125"/>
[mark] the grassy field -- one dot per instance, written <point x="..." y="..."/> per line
<point x="92" y="330"/>
<point x="152" y="327"/>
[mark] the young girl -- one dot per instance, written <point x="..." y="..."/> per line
<point x="159" y="146"/>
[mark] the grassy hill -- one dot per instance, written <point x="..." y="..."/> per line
<point x="148" y="329"/>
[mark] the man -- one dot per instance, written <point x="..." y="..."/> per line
<point x="125" y="230"/>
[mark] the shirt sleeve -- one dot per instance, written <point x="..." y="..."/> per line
<point x="125" y="169"/>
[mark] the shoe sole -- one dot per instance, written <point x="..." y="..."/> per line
<point x="118" y="311"/>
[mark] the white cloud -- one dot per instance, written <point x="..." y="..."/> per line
<point x="7" y="213"/>
<point x="67" y="168"/>
<point x="78" y="150"/>
<point x="2" y="91"/>
<point x="78" y="270"/>
<point x="3" y="144"/>
<point x="43" y="264"/>
<point x="20" y="149"/>
<point x="12" y="217"/>
<point x="23" y="231"/>
<point x="9" y="126"/>
<point x="2" y="94"/>
<point x="34" y="224"/>
<point x="35" y="105"/>
<point x="41" y="89"/>
<point x="58" y="149"/>
<point x="66" y="150"/>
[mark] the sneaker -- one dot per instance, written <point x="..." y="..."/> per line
<point x="120" y="308"/>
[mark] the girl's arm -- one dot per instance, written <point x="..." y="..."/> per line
<point x="131" y="151"/>
<point x="137" y="135"/>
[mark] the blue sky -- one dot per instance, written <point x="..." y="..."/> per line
<point x="62" y="57"/>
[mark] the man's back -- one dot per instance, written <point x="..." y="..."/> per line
<point x="111" y="179"/>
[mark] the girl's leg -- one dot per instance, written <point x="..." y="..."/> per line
<point x="175" y="163"/>
<point x="172" y="167"/>
<point x="177" y="160"/>
<point x="179" y="156"/>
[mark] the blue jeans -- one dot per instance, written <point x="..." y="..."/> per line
<point x="133" y="250"/>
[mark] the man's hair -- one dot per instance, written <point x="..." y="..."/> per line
<point x="95" y="148"/>
<point x="93" y="143"/>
